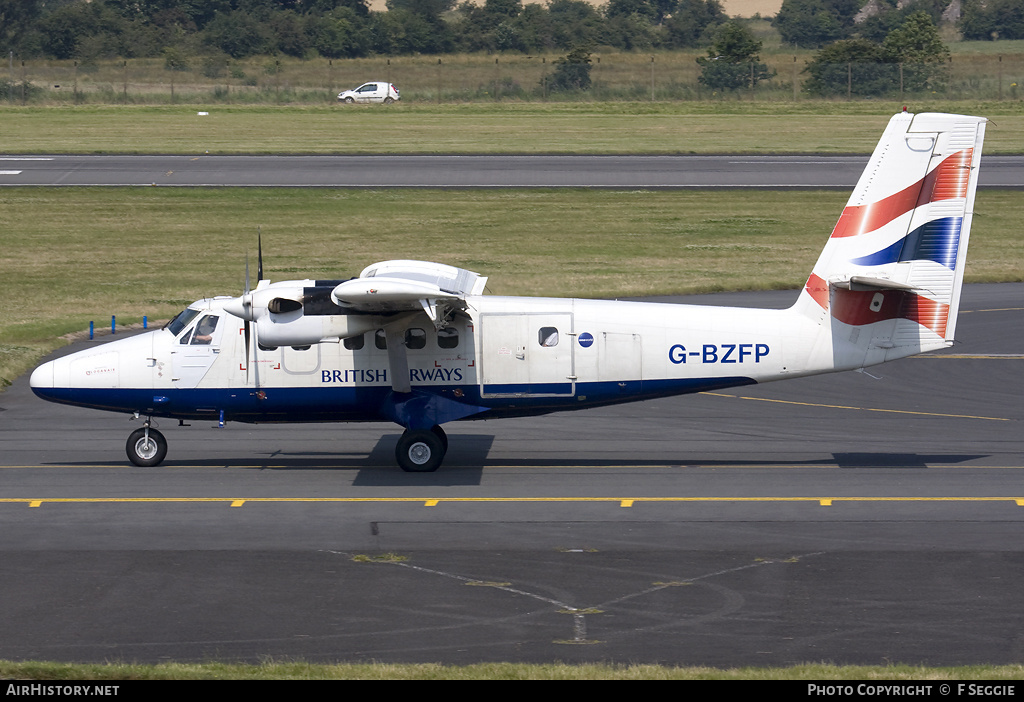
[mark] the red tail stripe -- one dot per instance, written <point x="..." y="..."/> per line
<point x="854" y="308"/>
<point x="947" y="180"/>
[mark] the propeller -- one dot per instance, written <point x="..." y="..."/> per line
<point x="242" y="307"/>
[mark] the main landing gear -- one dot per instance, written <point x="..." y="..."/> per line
<point x="418" y="450"/>
<point x="421" y="450"/>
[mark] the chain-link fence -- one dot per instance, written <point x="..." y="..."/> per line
<point x="476" y="78"/>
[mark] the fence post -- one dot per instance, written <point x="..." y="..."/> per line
<point x="849" y="80"/>
<point x="544" y="78"/>
<point x="652" y="79"/>
<point x="796" y="89"/>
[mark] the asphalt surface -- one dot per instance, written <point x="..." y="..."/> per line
<point x="463" y="171"/>
<point x="843" y="518"/>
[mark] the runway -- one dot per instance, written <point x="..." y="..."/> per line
<point x="721" y="171"/>
<point x="846" y="518"/>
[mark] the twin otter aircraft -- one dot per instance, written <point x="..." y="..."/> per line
<point x="421" y="345"/>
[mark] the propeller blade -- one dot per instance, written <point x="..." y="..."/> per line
<point x="259" y="240"/>
<point x="247" y="346"/>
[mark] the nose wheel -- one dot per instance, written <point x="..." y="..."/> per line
<point x="421" y="450"/>
<point x="146" y="447"/>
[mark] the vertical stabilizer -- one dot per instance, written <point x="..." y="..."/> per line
<point x="888" y="282"/>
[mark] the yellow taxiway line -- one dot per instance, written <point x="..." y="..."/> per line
<point x="435" y="501"/>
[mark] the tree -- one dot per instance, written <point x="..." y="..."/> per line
<point x="992" y="19"/>
<point x="911" y="57"/>
<point x="916" y="45"/>
<point x="238" y="35"/>
<point x="574" y="22"/>
<point x="572" y="71"/>
<point x="850" y="66"/>
<point x="809" y="23"/>
<point x="690" y="20"/>
<point x="733" y="60"/>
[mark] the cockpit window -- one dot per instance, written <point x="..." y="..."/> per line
<point x="181" y="321"/>
<point x="204" y="330"/>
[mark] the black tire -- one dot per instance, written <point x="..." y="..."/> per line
<point x="146" y="453"/>
<point x="419" y="451"/>
<point x="388" y="100"/>
<point x="349" y="100"/>
<point x="441" y="435"/>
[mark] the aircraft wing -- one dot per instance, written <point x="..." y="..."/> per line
<point x="397" y="286"/>
<point x="408" y="286"/>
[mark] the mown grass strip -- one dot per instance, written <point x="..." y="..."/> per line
<point x="517" y="128"/>
<point x="300" y="670"/>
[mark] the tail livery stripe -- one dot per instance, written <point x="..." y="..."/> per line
<point x="948" y="180"/>
<point x="858" y="308"/>
<point x="936" y="241"/>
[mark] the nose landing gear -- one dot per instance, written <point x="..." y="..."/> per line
<point x="146" y="446"/>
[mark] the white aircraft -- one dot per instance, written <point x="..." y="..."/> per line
<point x="420" y="344"/>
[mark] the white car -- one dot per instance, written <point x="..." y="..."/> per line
<point x="378" y="91"/>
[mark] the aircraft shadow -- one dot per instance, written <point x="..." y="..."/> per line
<point x="468" y="457"/>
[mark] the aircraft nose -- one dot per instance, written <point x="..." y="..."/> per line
<point x="42" y="377"/>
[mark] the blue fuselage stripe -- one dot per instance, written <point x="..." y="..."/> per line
<point x="326" y="404"/>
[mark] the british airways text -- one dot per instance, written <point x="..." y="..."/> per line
<point x="416" y="375"/>
<point x="719" y="353"/>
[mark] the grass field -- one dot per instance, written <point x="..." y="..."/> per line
<point x="522" y="128"/>
<point x="978" y="70"/>
<point x="71" y="255"/>
<point x="490" y="671"/>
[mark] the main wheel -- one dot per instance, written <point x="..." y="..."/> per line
<point x="419" y="451"/>
<point x="441" y="435"/>
<point x="146" y="450"/>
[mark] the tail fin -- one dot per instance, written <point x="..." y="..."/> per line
<point x="889" y="278"/>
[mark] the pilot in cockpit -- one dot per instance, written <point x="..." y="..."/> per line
<point x="204" y="330"/>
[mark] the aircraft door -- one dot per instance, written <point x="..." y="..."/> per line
<point x="527" y="355"/>
<point x="620" y="357"/>
<point x="195" y="351"/>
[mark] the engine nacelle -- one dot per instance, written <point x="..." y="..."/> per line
<point x="296" y="329"/>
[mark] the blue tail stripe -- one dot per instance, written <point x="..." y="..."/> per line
<point x="936" y="241"/>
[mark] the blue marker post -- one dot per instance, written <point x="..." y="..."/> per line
<point x="113" y="326"/>
<point x="90" y="331"/>
<point x="144" y="325"/>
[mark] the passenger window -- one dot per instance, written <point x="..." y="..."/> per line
<point x="448" y="338"/>
<point x="548" y="336"/>
<point x="415" y="338"/>
<point x="354" y="343"/>
<point x="380" y="339"/>
<point x="204" y="330"/>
